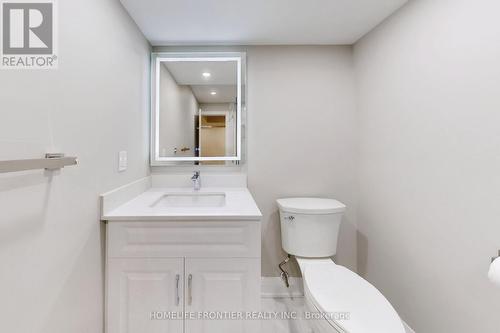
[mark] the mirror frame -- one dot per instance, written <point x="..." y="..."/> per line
<point x="156" y="59"/>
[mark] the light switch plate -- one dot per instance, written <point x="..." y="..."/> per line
<point x="122" y="161"/>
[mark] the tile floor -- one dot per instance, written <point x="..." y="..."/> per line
<point x="280" y="305"/>
<point x="285" y="304"/>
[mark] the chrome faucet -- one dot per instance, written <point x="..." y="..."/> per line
<point x="196" y="181"/>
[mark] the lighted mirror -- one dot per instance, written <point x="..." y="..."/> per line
<point x="197" y="103"/>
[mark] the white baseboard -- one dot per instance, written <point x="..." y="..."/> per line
<point x="274" y="287"/>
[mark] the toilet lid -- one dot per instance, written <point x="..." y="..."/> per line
<point x="311" y="205"/>
<point x="337" y="291"/>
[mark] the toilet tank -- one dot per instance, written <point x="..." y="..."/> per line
<point x="310" y="226"/>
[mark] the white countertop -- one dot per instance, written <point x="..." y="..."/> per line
<point x="239" y="205"/>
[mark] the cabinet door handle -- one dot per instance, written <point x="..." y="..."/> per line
<point x="177" y="298"/>
<point x="190" y="287"/>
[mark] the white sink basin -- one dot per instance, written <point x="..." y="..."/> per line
<point x="191" y="200"/>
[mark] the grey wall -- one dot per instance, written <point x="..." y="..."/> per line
<point x="429" y="99"/>
<point x="93" y="106"/>
<point x="301" y="136"/>
<point x="178" y="108"/>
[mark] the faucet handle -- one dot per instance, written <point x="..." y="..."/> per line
<point x="196" y="180"/>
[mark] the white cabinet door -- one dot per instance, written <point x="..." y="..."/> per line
<point x="215" y="286"/>
<point x="142" y="292"/>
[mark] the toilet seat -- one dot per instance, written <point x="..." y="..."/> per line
<point x="334" y="290"/>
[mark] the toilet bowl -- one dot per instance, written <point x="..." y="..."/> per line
<point x="337" y="299"/>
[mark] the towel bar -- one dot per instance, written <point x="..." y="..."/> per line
<point x="50" y="162"/>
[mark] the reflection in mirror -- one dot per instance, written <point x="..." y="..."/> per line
<point x="197" y="110"/>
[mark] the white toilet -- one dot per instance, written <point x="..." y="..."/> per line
<point x="346" y="302"/>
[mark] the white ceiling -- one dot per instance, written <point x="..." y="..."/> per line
<point x="258" y="22"/>
<point x="190" y="72"/>
<point x="225" y="94"/>
<point x="222" y="79"/>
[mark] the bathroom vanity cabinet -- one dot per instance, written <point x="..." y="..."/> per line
<point x="182" y="276"/>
